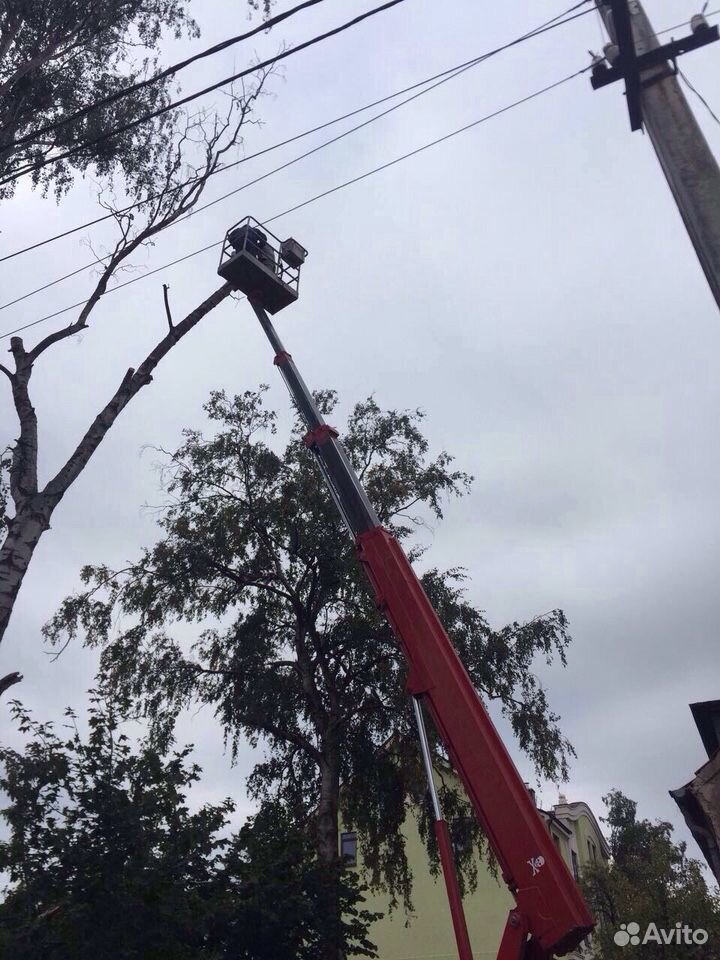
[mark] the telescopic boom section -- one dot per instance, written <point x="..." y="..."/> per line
<point x="551" y="916"/>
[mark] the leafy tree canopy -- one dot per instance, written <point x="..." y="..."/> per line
<point x="105" y="860"/>
<point x="252" y="602"/>
<point x="281" y="897"/>
<point x="650" y="880"/>
<point x="104" y="857"/>
<point x="60" y="56"/>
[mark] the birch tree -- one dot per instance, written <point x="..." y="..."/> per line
<point x="290" y="650"/>
<point x="192" y="154"/>
<point x="58" y="57"/>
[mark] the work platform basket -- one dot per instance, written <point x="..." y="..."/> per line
<point x="265" y="268"/>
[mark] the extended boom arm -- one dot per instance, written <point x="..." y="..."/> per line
<point x="550" y="915"/>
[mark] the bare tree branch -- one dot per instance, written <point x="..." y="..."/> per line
<point x="172" y="200"/>
<point x="132" y="382"/>
<point x="175" y="190"/>
<point x="281" y="733"/>
<point x="9" y="680"/>
<point x="167" y="306"/>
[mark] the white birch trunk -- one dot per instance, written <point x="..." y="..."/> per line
<point x="34" y="508"/>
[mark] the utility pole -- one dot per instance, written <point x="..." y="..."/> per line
<point x="656" y="101"/>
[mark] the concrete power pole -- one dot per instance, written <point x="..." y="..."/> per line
<point x="685" y="157"/>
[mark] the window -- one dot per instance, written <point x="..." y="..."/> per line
<point x="461" y="834"/>
<point x="348" y="849"/>
<point x="592" y="851"/>
<point x="575" y="865"/>
<point x="556" y="838"/>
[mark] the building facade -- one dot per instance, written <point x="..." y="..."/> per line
<point x="427" y="934"/>
<point x="699" y="800"/>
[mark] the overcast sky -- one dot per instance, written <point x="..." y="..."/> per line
<point x="528" y="283"/>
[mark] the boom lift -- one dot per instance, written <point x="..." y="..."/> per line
<point x="550" y="916"/>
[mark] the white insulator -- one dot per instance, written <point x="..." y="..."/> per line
<point x="698" y="23"/>
<point x="612" y="52"/>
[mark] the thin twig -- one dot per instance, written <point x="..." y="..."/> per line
<point x="171" y="325"/>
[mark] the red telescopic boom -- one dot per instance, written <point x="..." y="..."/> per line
<point x="550" y="916"/>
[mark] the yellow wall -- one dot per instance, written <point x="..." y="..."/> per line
<point x="428" y="933"/>
<point x="563" y="846"/>
<point x="584" y="831"/>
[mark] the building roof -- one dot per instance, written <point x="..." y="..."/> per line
<point x="707" y="719"/>
<point x="556" y="822"/>
<point x="577" y="809"/>
<point x="699" y="802"/>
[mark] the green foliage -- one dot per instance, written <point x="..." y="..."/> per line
<point x="104" y="857"/>
<point x="104" y="860"/>
<point x="57" y="58"/>
<point x="281" y="897"/>
<point x="289" y="648"/>
<point x="651" y="879"/>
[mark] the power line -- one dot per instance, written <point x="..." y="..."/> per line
<point x="549" y="25"/>
<point x="319" y="196"/>
<point x="32" y="168"/>
<point x="462" y="69"/>
<point x="700" y="97"/>
<point x="442" y="77"/>
<point x="156" y="78"/>
<point x="713" y="13"/>
<point x="236" y="163"/>
<point x="228" y="166"/>
<point x="543" y="28"/>
<point x="250" y="183"/>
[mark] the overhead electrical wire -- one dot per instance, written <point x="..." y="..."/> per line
<point x="700" y="97"/>
<point x="369" y="106"/>
<point x="458" y="71"/>
<point x="319" y="196"/>
<point x="543" y="28"/>
<point x="448" y="74"/>
<point x="264" y="176"/>
<point x="444" y="76"/>
<point x="157" y="77"/>
<point x="34" y="167"/>
<point x="236" y="163"/>
<point x="713" y="13"/>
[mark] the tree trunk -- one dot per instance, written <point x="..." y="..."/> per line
<point x="327" y="848"/>
<point x="23" y="534"/>
<point x="35" y="507"/>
